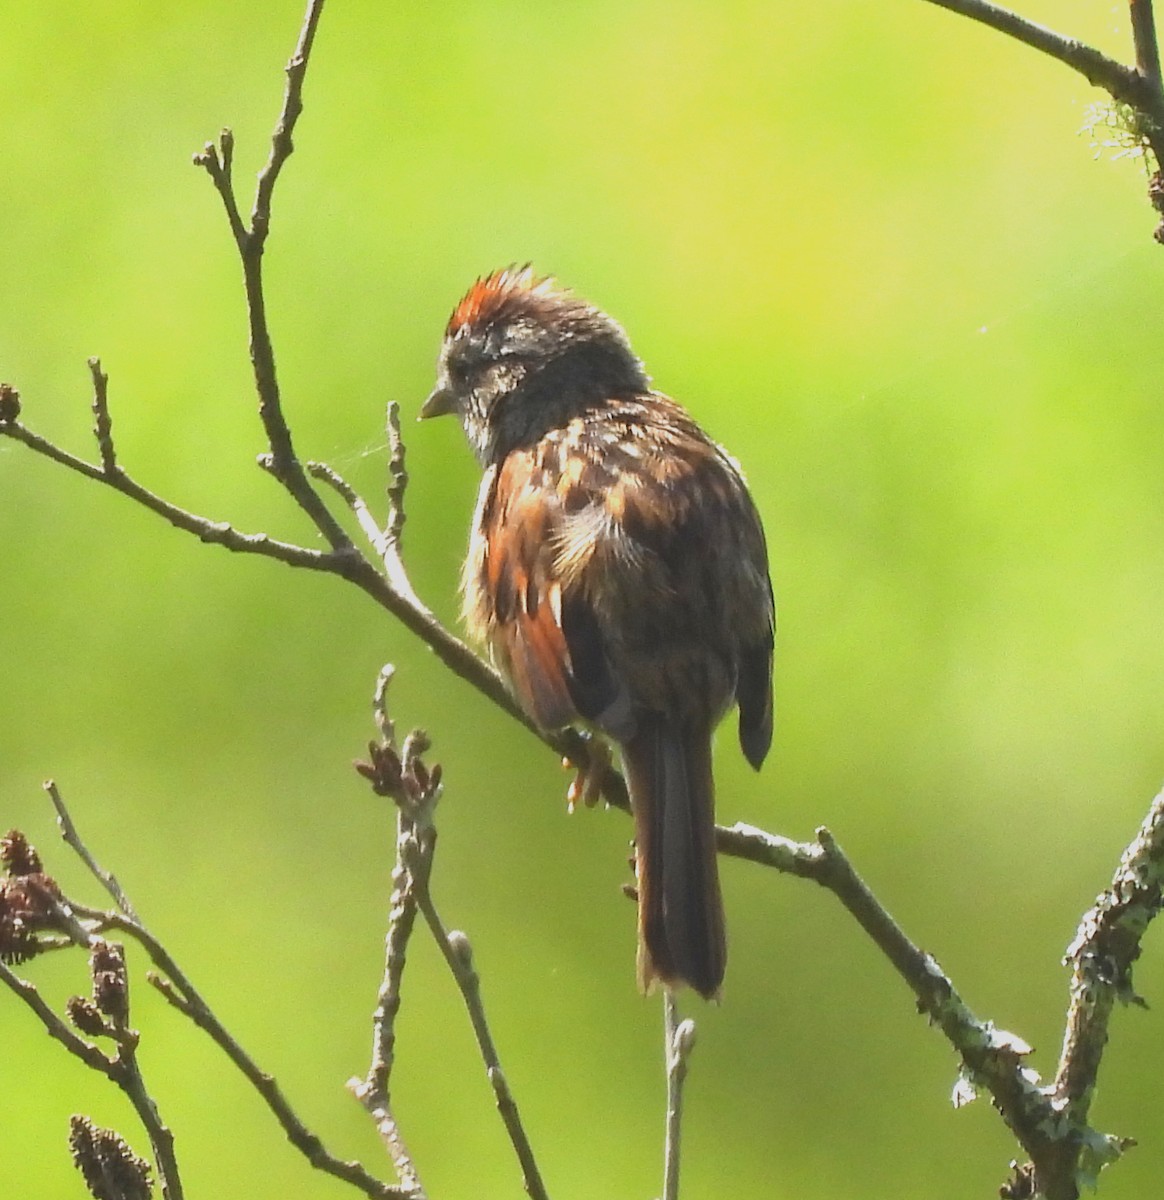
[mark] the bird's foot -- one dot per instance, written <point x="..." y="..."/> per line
<point x="588" y="781"/>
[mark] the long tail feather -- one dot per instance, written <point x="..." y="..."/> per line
<point x="681" y="927"/>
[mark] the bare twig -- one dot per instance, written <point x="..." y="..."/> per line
<point x="123" y="1069"/>
<point x="1050" y="1123"/>
<point x="373" y="1091"/>
<point x="214" y="532"/>
<point x="416" y="789"/>
<point x="111" y="986"/>
<point x="73" y="839"/>
<point x="991" y="1058"/>
<point x="387" y="541"/>
<point x="458" y="953"/>
<point x="678" y="1042"/>
<point x="281" y="140"/>
<point x="102" y="422"/>
<point x="132" y="1083"/>
<point x="349" y="564"/>
<point x="54" y="1025"/>
<point x="178" y="989"/>
<point x="352" y="498"/>
<point x="397" y="477"/>
<point x="217" y="162"/>
<point x="187" y="1001"/>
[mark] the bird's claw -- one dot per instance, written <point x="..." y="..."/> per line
<point x="588" y="780"/>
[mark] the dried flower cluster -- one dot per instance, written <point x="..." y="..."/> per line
<point x="28" y="899"/>
<point x="110" y="1168"/>
<point x="9" y="404"/>
<point x="403" y="776"/>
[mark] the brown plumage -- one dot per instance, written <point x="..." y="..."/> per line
<point x="617" y="570"/>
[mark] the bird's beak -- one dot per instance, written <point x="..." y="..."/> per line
<point x="440" y="403"/>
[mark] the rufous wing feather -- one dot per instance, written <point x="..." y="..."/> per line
<point x="520" y="605"/>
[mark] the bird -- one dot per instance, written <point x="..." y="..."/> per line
<point x="617" y="573"/>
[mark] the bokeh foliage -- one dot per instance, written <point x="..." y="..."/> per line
<point x="863" y="243"/>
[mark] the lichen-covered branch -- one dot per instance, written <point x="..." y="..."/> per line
<point x="1101" y="956"/>
<point x="1136" y="88"/>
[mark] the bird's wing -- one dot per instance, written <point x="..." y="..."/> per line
<point x="536" y="618"/>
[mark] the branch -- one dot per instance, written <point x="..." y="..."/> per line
<point x="1049" y="1123"/>
<point x="1123" y="83"/>
<point x="1101" y="957"/>
<point x="182" y="996"/>
<point x="73" y="840"/>
<point x="55" y="1027"/>
<point x="213" y="532"/>
<point x="415" y="789"/>
<point x="1144" y="37"/>
<point x="217" y="162"/>
<point x="1138" y="87"/>
<point x="102" y="421"/>
<point x="458" y="954"/>
<point x="991" y="1058"/>
<point x="373" y="1091"/>
<point x="281" y="140"/>
<point x="396" y="594"/>
<point x="108" y="1014"/>
<point x="177" y="988"/>
<point x="385" y="542"/>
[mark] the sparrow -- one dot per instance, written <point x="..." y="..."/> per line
<point x="618" y="573"/>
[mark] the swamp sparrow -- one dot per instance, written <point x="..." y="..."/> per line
<point x="617" y="571"/>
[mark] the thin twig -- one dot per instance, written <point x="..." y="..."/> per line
<point x="217" y="162"/>
<point x="73" y="839"/>
<point x="55" y="1026"/>
<point x="187" y="1001"/>
<point x="282" y="144"/>
<point x="397" y="477"/>
<point x="352" y="498"/>
<point x="124" y="1070"/>
<point x="348" y="564"/>
<point x="458" y="953"/>
<point x="374" y="1090"/>
<point x="678" y="1042"/>
<point x="213" y="532"/>
<point x="1139" y="87"/>
<point x="176" y="987"/>
<point x="383" y="541"/>
<point x="161" y="1137"/>
<point x="102" y="421"/>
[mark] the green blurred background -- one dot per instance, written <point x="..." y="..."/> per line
<point x="865" y="245"/>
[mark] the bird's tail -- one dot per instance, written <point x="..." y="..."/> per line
<point x="681" y="927"/>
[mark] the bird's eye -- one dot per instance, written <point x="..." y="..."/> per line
<point x="457" y="368"/>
